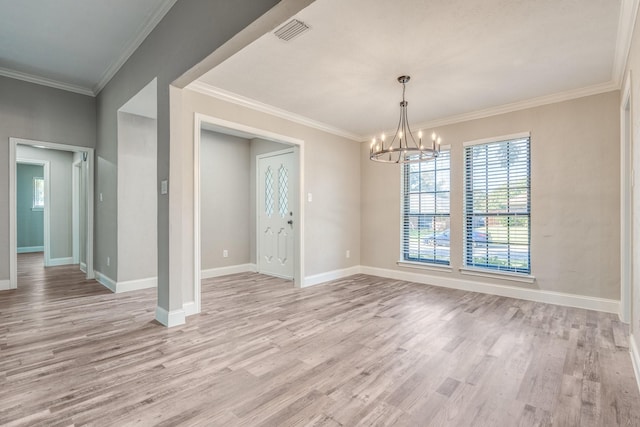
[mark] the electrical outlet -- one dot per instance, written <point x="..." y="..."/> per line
<point x="348" y="254"/>
<point x="108" y="261"/>
<point x="100" y="196"/>
<point x="309" y="197"/>
<point x="225" y="253"/>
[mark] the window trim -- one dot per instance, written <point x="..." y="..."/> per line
<point x="488" y="271"/>
<point x="35" y="206"/>
<point x="411" y="262"/>
<point x="501" y="138"/>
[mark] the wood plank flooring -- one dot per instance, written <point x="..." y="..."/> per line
<point x="359" y="351"/>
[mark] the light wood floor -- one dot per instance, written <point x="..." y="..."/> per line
<point x="359" y="351"/>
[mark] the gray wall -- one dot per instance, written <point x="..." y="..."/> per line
<point x="41" y="113"/>
<point x="224" y="202"/>
<point x="137" y="198"/>
<point x="60" y="186"/>
<point x="228" y="197"/>
<point x="575" y="195"/>
<point x="29" y="221"/>
<point x="189" y="32"/>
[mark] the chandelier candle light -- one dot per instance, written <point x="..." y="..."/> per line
<point x="403" y="148"/>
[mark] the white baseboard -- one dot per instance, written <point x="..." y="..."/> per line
<point x="170" y="318"/>
<point x="189" y="308"/>
<point x="105" y="281"/>
<point x="330" y="275"/>
<point x="83" y="267"/>
<point x="635" y="358"/>
<point x="134" y="285"/>
<point x="130" y="285"/>
<point x="537" y="295"/>
<point x="5" y="285"/>
<point x="54" y="262"/>
<point x="30" y="249"/>
<point x="223" y="271"/>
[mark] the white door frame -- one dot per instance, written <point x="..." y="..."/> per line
<point x="626" y="203"/>
<point x="76" y="171"/>
<point x="225" y="126"/>
<point x="13" y="256"/>
<point x="258" y="195"/>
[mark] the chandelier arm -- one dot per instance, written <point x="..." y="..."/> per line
<point x="411" y="151"/>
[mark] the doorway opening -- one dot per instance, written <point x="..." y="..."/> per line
<point x="48" y="202"/>
<point x="254" y="145"/>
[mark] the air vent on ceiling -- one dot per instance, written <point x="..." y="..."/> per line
<point x="291" y="30"/>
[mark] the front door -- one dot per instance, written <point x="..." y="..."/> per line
<point x="275" y="215"/>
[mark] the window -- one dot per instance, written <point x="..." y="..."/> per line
<point x="38" y="193"/>
<point x="426" y="224"/>
<point x="497" y="205"/>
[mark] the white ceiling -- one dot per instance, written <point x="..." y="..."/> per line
<point x="75" y="45"/>
<point x="462" y="55"/>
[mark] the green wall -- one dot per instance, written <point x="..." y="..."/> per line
<point x="30" y="223"/>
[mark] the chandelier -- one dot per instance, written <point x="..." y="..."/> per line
<point x="403" y="147"/>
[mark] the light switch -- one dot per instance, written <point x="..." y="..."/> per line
<point x="309" y="197"/>
<point x="100" y="196"/>
<point x="164" y="186"/>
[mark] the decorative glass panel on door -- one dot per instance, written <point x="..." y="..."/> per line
<point x="268" y="192"/>
<point x="283" y="190"/>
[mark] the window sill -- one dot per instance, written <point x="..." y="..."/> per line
<point x="424" y="266"/>
<point x="504" y="275"/>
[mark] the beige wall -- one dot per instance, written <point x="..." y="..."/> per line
<point x="331" y="173"/>
<point x="575" y="202"/>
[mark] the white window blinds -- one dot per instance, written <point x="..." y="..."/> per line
<point x="426" y="224"/>
<point x="497" y="205"/>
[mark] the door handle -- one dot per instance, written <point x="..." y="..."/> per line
<point x="290" y="222"/>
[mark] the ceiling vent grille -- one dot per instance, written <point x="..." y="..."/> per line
<point x="291" y="30"/>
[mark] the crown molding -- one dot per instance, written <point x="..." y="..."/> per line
<point x="45" y="82"/>
<point x="626" y="24"/>
<point x="134" y="44"/>
<point x="215" y="92"/>
<point x="517" y="106"/>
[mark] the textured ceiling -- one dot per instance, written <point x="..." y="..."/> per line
<point x="462" y="56"/>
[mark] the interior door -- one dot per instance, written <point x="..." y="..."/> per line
<point x="275" y="215"/>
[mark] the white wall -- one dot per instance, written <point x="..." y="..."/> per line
<point x="575" y="224"/>
<point x="137" y="198"/>
<point x="60" y="187"/>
